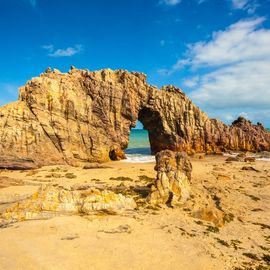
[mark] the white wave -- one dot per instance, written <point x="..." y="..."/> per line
<point x="230" y="155"/>
<point x="138" y="158"/>
<point x="263" y="159"/>
<point x="141" y="158"/>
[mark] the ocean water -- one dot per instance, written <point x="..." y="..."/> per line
<point x="139" y="148"/>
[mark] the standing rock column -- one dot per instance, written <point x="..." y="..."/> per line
<point x="173" y="175"/>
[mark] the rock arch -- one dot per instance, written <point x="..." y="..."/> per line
<point x="152" y="122"/>
<point x="84" y="116"/>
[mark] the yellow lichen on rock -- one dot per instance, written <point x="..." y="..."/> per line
<point x="50" y="201"/>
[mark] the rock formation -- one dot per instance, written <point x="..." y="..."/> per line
<point x="50" y="201"/>
<point x="84" y="116"/>
<point x="175" y="123"/>
<point x="173" y="177"/>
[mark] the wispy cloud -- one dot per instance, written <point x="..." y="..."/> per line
<point x="191" y="82"/>
<point x="239" y="4"/>
<point x="170" y="2"/>
<point x="176" y="2"/>
<point x="201" y="1"/>
<point x="247" y="5"/>
<point x="49" y="47"/>
<point x="67" y="52"/>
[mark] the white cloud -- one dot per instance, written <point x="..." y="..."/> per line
<point x="170" y="2"/>
<point x="242" y="85"/>
<point x="49" y="47"/>
<point x="70" y="51"/>
<point x="247" y="5"/>
<point x="192" y="82"/>
<point x="239" y="62"/>
<point x="239" y="42"/>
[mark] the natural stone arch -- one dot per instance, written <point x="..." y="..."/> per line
<point x="83" y="116"/>
<point x="152" y="122"/>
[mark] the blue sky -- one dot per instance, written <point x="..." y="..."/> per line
<point x="217" y="51"/>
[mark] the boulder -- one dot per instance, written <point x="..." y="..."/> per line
<point x="173" y="176"/>
<point x="210" y="214"/>
<point x="116" y="153"/>
<point x="230" y="159"/>
<point x="250" y="159"/>
<point x="241" y="155"/>
<point x="90" y="166"/>
<point x="50" y="201"/>
<point x="249" y="168"/>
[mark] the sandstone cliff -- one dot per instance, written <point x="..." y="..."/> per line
<point x="84" y="116"/>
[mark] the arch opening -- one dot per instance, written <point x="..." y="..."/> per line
<point x="158" y="136"/>
<point x="138" y="149"/>
<point x="148" y="137"/>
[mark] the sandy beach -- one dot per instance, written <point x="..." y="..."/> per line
<point x="148" y="237"/>
<point x="135" y="135"/>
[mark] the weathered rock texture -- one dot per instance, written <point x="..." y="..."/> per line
<point x="50" y="201"/>
<point x="15" y="194"/>
<point x="84" y="116"/>
<point x="172" y="184"/>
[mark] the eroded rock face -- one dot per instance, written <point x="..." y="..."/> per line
<point x="84" y="116"/>
<point x="23" y="142"/>
<point x="173" y="176"/>
<point x="50" y="201"/>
